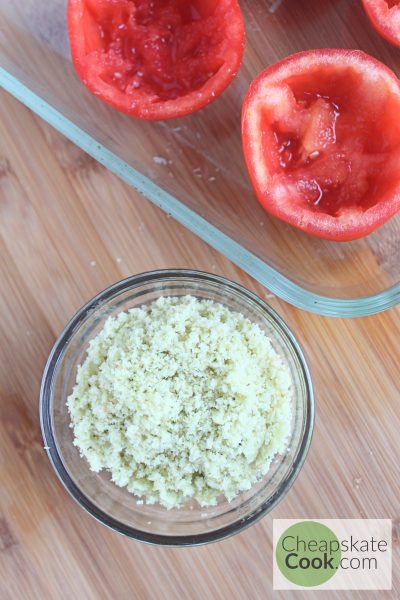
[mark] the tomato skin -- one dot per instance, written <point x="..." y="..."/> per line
<point x="353" y="222"/>
<point x="385" y="19"/>
<point x="91" y="60"/>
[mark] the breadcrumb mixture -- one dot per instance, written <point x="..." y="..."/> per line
<point x="181" y="399"/>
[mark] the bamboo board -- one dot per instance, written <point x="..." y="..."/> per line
<point x="59" y="247"/>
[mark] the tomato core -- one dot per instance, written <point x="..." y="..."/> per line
<point x="163" y="48"/>
<point x="330" y="145"/>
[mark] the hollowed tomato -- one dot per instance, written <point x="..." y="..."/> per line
<point x="385" y="17"/>
<point x="156" y="59"/>
<point x="321" y="138"/>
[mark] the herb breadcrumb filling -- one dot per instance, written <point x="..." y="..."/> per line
<point x="181" y="399"/>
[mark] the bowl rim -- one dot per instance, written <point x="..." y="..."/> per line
<point x="46" y="397"/>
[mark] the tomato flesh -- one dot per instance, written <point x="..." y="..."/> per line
<point x="142" y="54"/>
<point x="327" y="151"/>
<point x="169" y="52"/>
<point x="385" y="17"/>
<point x="332" y="153"/>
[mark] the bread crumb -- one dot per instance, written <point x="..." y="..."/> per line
<point x="181" y="399"/>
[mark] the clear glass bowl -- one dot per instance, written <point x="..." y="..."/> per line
<point x="114" y="506"/>
<point x="193" y="168"/>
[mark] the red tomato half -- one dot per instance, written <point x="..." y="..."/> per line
<point x="385" y="17"/>
<point x="156" y="59"/>
<point x="321" y="139"/>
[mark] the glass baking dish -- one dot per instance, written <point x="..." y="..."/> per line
<point x="193" y="167"/>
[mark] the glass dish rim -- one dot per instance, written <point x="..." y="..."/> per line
<point x="275" y="281"/>
<point x="49" y="439"/>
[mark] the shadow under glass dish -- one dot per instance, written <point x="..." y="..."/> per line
<point x="115" y="506"/>
<point x="193" y="167"/>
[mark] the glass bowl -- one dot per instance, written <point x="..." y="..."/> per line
<point x="116" y="507"/>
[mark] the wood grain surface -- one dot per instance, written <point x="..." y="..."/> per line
<point x="68" y="228"/>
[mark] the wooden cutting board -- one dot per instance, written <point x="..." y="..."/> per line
<point x="68" y="228"/>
